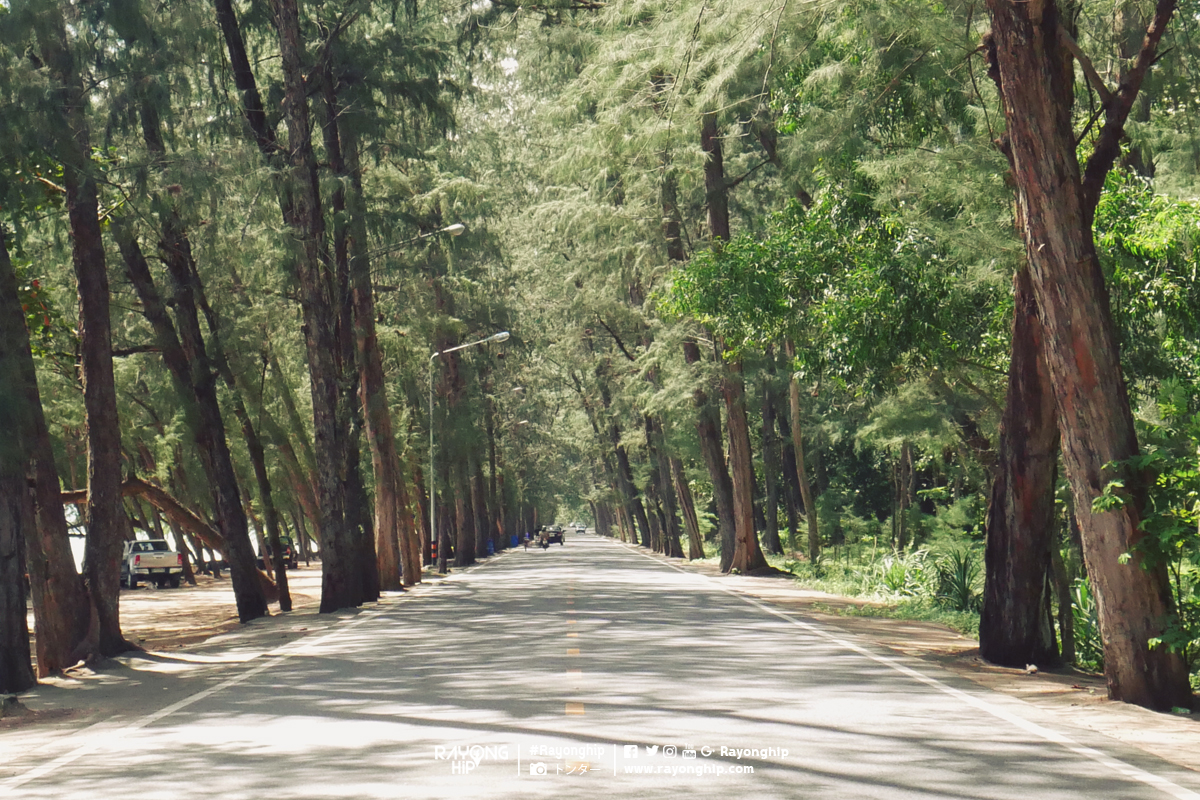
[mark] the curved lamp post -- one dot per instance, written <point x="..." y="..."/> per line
<point x="498" y="337"/>
<point x="454" y="230"/>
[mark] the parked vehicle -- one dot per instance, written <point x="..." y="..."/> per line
<point x="153" y="561"/>
<point x="290" y="560"/>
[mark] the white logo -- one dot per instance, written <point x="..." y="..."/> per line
<point x="669" y="751"/>
<point x="651" y="750"/>
<point x="631" y="751"/>
<point x="689" y="753"/>
<point x="537" y="768"/>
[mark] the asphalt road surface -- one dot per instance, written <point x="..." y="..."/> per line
<point x="586" y="670"/>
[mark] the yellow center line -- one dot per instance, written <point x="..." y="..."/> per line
<point x="571" y="621"/>
<point x="575" y="708"/>
<point x="572" y="635"/>
<point x="572" y="651"/>
<point x="574" y="672"/>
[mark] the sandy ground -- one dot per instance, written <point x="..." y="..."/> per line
<point x="165" y="620"/>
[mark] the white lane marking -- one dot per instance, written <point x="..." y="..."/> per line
<point x="1128" y="770"/>
<point x="107" y="737"/>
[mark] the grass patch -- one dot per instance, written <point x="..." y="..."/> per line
<point x="964" y="622"/>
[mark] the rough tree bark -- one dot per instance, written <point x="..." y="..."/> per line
<point x="104" y="516"/>
<point x="60" y="606"/>
<point x="747" y="555"/>
<point x="708" y="430"/>
<point x="341" y="584"/>
<point x="16" y="524"/>
<point x="1016" y="627"/>
<point x="1056" y="202"/>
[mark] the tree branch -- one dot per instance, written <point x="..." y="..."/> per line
<point x="1108" y="141"/>
<point x="1090" y="71"/>
<point x="616" y="338"/>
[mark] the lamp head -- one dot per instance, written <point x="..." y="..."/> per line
<point x="499" y="337"/>
<point x="455" y="230"/>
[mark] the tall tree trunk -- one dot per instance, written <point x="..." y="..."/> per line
<point x="688" y="506"/>
<point x="806" y="492"/>
<point x="483" y="534"/>
<point x="464" y="517"/>
<point x="1056" y="202"/>
<point x="770" y="448"/>
<point x="708" y="430"/>
<point x="715" y="187"/>
<point x="1016" y="625"/>
<point x="656" y="442"/>
<point x="104" y="516"/>
<point x="340" y="578"/>
<point x="60" y="606"/>
<point x="16" y="525"/>
<point x="427" y="535"/>
<point x="747" y="555"/>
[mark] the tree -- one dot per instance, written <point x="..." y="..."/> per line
<point x="107" y="525"/>
<point x="1031" y="62"/>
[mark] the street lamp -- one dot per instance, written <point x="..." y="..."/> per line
<point x="456" y="229"/>
<point x="498" y="337"/>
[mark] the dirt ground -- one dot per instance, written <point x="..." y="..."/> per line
<point x="164" y="620"/>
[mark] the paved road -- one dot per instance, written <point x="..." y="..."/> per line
<point x="570" y="661"/>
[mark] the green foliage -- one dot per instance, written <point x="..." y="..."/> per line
<point x="958" y="574"/>
<point x="1089" y="649"/>
<point x="1171" y="518"/>
<point x="1150" y="248"/>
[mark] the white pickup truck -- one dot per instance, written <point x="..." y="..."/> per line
<point x="152" y="561"/>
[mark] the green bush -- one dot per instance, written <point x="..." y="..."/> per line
<point x="958" y="581"/>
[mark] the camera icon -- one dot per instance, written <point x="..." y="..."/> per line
<point x="537" y="768"/>
<point x="669" y="751"/>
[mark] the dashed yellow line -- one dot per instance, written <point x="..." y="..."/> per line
<point x="572" y="635"/>
<point x="575" y="709"/>
<point x="572" y="651"/>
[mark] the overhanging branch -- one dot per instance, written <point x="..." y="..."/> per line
<point x="1108" y="141"/>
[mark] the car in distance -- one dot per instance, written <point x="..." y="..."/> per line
<point x="554" y="533"/>
<point x="290" y="561"/>
<point x="153" y="561"/>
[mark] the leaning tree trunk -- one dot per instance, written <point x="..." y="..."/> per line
<point x="1056" y="201"/>
<point x="187" y="361"/>
<point x="60" y="607"/>
<point x="1016" y="626"/>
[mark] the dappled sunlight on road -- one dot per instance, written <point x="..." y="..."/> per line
<point x="581" y="651"/>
